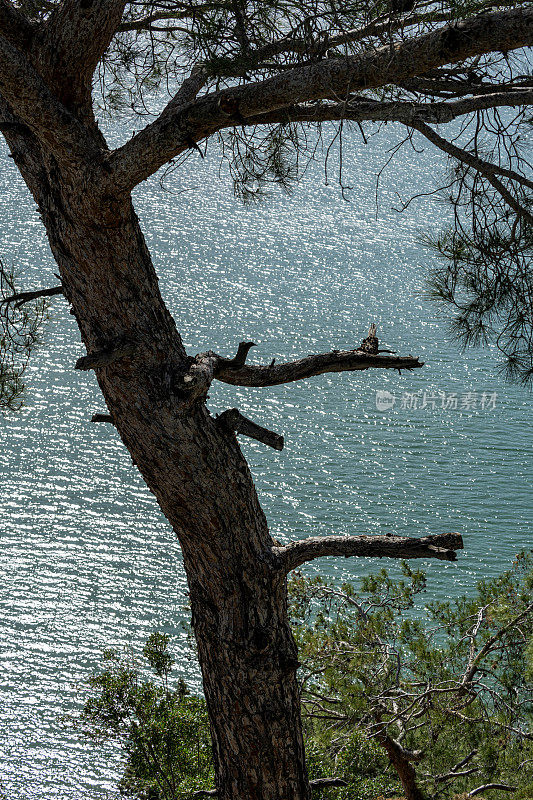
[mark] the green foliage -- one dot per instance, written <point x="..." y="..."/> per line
<point x="449" y="683"/>
<point x="258" y="164"/>
<point x="357" y="760"/>
<point x="20" y="333"/>
<point x="452" y="681"/>
<point x="485" y="276"/>
<point x="163" y="731"/>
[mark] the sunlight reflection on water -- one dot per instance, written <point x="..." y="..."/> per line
<point x="87" y="559"/>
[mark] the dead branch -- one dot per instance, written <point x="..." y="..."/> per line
<point x="235" y="421"/>
<point x="102" y="418"/>
<point x="442" y="546"/>
<point x="503" y="787"/>
<point x="308" y="367"/>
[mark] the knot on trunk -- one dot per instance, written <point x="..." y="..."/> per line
<point x="195" y="382"/>
<point x="202" y="370"/>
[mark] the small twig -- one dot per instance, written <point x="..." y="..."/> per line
<point x="233" y="419"/>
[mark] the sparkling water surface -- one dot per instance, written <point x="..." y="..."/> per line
<point x="88" y="561"/>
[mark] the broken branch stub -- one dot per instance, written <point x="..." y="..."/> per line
<point x="102" y="418"/>
<point x="103" y="358"/>
<point x="235" y="421"/>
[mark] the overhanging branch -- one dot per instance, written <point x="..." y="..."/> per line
<point x="442" y="546"/>
<point x="333" y="77"/>
<point x="364" y="109"/>
<point x="380" y="28"/>
<point x="20" y="298"/>
<point x="206" y="367"/>
<point x="489" y="170"/>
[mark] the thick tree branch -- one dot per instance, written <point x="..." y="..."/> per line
<point x="336" y="361"/>
<point x="23" y="88"/>
<point x="363" y="109"/>
<point x="401" y="761"/>
<point x="442" y="546"/>
<point x="380" y="27"/>
<point x="467" y="84"/>
<point x="168" y="135"/>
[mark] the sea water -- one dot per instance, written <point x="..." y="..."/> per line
<point x="87" y="560"/>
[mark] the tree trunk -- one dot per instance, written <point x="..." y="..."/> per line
<point x="196" y="471"/>
<point x="403" y="766"/>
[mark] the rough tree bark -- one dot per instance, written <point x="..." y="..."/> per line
<point x="155" y="392"/>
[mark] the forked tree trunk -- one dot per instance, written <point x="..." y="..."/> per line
<point x="196" y="471"/>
